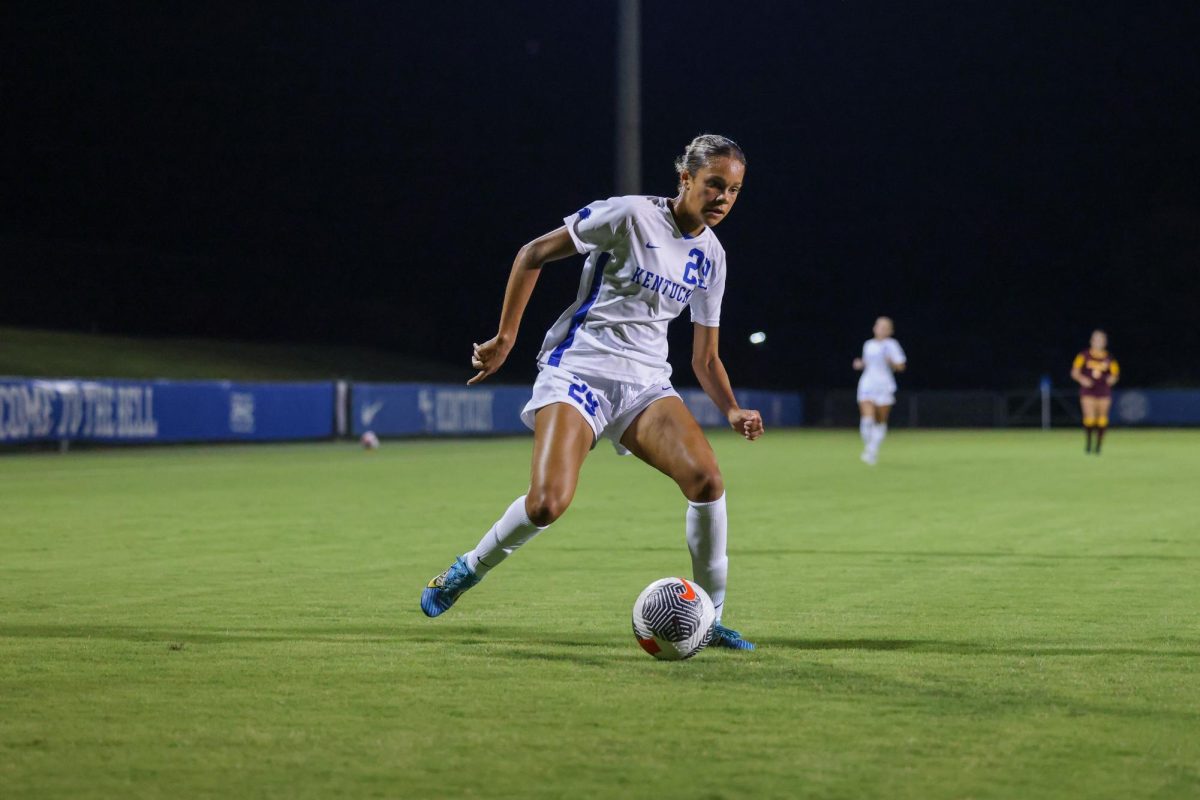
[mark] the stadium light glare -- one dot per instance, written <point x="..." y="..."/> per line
<point x="758" y="337"/>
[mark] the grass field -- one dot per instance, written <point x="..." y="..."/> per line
<point x="38" y="353"/>
<point x="983" y="615"/>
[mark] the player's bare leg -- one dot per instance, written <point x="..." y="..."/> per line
<point x="1090" y="410"/>
<point x="879" y="426"/>
<point x="1102" y="406"/>
<point x="667" y="437"/>
<point x="561" y="442"/>
<point x="866" y="424"/>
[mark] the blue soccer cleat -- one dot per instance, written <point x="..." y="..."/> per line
<point x="443" y="591"/>
<point x="728" y="637"/>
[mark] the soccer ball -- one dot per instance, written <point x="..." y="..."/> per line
<point x="370" y="441"/>
<point x="673" y="619"/>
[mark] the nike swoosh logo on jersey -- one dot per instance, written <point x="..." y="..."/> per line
<point x="651" y="246"/>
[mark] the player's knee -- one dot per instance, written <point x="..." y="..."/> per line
<point x="1089" y="422"/>
<point x="1102" y="422"/>
<point x="704" y="484"/>
<point x="546" y="505"/>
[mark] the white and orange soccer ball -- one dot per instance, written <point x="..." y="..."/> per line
<point x="673" y="619"/>
<point x="370" y="441"/>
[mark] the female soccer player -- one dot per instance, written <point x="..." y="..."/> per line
<point x="603" y="364"/>
<point x="881" y="356"/>
<point x="1096" y="372"/>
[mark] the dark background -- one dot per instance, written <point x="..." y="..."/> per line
<point x="998" y="177"/>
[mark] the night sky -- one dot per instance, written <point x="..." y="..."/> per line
<point x="998" y="177"/>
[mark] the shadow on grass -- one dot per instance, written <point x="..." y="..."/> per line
<point x="499" y="643"/>
<point x="973" y="554"/>
<point x="520" y="640"/>
<point x="970" y="648"/>
<point x="606" y="660"/>
<point x="963" y="554"/>
<point x="332" y="634"/>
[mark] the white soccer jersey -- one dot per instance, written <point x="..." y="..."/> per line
<point x="877" y="374"/>
<point x="641" y="272"/>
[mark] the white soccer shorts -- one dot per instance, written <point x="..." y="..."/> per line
<point x="878" y="395"/>
<point x="609" y="406"/>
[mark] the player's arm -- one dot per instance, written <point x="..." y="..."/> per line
<point x="706" y="363"/>
<point x="1114" y="373"/>
<point x="894" y="353"/>
<point x="527" y="266"/>
<point x="1077" y="373"/>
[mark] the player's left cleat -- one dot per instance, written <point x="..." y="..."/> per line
<point x="444" y="590"/>
<point x="728" y="637"/>
<point x="867" y="458"/>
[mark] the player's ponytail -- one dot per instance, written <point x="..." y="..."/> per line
<point x="703" y="149"/>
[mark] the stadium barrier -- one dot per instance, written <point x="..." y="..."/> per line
<point x="1157" y="406"/>
<point x="116" y="411"/>
<point x="412" y="409"/>
<point x="778" y="409"/>
<point x="123" y="411"/>
<point x="1035" y="408"/>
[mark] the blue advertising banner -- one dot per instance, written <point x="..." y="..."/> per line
<point x="1157" y="406"/>
<point x="163" y="411"/>
<point x="407" y="409"/>
<point x="778" y="409"/>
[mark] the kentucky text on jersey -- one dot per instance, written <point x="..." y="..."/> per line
<point x="665" y="286"/>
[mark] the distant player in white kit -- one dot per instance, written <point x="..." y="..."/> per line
<point x="882" y="356"/>
<point x="604" y="371"/>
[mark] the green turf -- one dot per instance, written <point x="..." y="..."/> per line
<point x="982" y="615"/>
<point x="29" y="352"/>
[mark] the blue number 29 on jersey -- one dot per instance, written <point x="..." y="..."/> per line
<point x="580" y="393"/>
<point x="696" y="271"/>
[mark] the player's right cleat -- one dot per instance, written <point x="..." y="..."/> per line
<point x="867" y="458"/>
<point x="728" y="637"/>
<point x="443" y="591"/>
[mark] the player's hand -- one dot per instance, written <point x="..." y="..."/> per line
<point x="488" y="357"/>
<point x="858" y="363"/>
<point x="1110" y="380"/>
<point x="746" y="422"/>
<point x="1087" y="382"/>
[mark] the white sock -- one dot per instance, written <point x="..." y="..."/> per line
<point x="865" y="426"/>
<point x="707" y="529"/>
<point x="503" y="539"/>
<point x="877" y="434"/>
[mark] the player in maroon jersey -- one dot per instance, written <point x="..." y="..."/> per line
<point x="1096" y="372"/>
